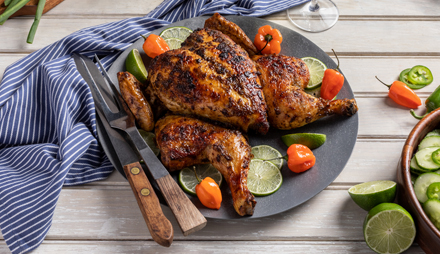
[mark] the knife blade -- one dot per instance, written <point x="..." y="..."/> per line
<point x="159" y="226"/>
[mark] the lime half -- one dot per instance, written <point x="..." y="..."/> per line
<point x="316" y="69"/>
<point x="178" y="32"/>
<point x="149" y="138"/>
<point x="389" y="228"/>
<point x="188" y="180"/>
<point x="174" y="43"/>
<point x="311" y="140"/>
<point x="264" y="178"/>
<point x="265" y="152"/>
<point x="370" y="194"/>
<point x="135" y="65"/>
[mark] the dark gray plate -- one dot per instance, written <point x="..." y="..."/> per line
<point x="331" y="158"/>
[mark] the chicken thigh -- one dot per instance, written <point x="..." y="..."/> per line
<point x="185" y="141"/>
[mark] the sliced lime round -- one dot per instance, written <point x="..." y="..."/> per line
<point x="264" y="178"/>
<point x="188" y="180"/>
<point x="135" y="65"/>
<point x="316" y="69"/>
<point x="389" y="228"/>
<point x="150" y="138"/>
<point x="369" y="194"/>
<point x="311" y="140"/>
<point x="265" y="152"/>
<point x="178" y="32"/>
<point x="174" y="43"/>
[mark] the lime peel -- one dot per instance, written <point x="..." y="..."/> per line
<point x="370" y="194"/>
<point x="188" y="180"/>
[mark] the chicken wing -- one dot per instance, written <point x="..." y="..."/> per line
<point x="185" y="141"/>
<point x="212" y="77"/>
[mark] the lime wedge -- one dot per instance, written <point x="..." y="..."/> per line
<point x="178" y="32"/>
<point x="265" y="152"/>
<point x="316" y="69"/>
<point x="149" y="138"/>
<point x="264" y="178"/>
<point x="188" y="180"/>
<point x="174" y="43"/>
<point x="135" y="65"/>
<point x="311" y="140"/>
<point x="370" y="194"/>
<point x="389" y="228"/>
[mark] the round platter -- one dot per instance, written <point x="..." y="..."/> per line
<point x="331" y="158"/>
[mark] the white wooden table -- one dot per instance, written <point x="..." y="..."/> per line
<point x="372" y="37"/>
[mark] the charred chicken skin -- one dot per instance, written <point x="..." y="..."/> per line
<point x="212" y="77"/>
<point x="284" y="79"/>
<point x="185" y="141"/>
<point x="288" y="105"/>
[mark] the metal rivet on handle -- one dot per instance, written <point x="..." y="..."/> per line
<point x="135" y="171"/>
<point x="145" y="192"/>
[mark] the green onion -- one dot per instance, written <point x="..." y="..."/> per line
<point x="34" y="26"/>
<point x="7" y="2"/>
<point x="9" y="11"/>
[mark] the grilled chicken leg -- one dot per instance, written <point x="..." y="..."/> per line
<point x="185" y="141"/>
<point x="288" y="106"/>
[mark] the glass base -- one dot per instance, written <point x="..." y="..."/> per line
<point x="314" y="18"/>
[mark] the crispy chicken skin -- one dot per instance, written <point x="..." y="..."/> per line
<point x="218" y="22"/>
<point x="185" y="141"/>
<point x="212" y="77"/>
<point x="283" y="79"/>
<point x="130" y="90"/>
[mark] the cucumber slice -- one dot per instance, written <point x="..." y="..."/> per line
<point x="422" y="183"/>
<point x="436" y="157"/>
<point x="415" y="169"/>
<point x="424" y="159"/>
<point x="435" y="132"/>
<point x="432" y="210"/>
<point x="430" y="142"/>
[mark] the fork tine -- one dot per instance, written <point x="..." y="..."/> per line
<point x="101" y="103"/>
<point x="110" y="82"/>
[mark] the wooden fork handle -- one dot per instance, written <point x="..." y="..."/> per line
<point x="190" y="219"/>
<point x="160" y="227"/>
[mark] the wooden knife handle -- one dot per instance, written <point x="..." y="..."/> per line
<point x="187" y="215"/>
<point x="160" y="227"/>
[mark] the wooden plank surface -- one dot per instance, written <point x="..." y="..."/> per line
<point x="141" y="247"/>
<point x="102" y="217"/>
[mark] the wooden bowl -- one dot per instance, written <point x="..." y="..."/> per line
<point x="428" y="236"/>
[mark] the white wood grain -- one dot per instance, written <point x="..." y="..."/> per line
<point x="138" y="247"/>
<point x="371" y="37"/>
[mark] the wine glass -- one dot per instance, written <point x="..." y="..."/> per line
<point x="314" y="16"/>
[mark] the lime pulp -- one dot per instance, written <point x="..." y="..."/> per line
<point x="188" y="180"/>
<point x="264" y="178"/>
<point x="316" y="69"/>
<point x="370" y="194"/>
<point x="389" y="228"/>
<point x="177" y="32"/>
<point x="265" y="152"/>
<point x="174" y="43"/>
<point x="149" y="138"/>
<point x="135" y="65"/>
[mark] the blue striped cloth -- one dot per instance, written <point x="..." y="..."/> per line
<point x="48" y="136"/>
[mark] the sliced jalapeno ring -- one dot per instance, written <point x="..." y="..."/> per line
<point x="420" y="75"/>
<point x="404" y="78"/>
<point x="433" y="191"/>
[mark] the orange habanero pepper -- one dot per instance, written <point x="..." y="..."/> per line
<point x="332" y="82"/>
<point x="209" y="192"/>
<point x="154" y="45"/>
<point x="268" y="40"/>
<point x="300" y="158"/>
<point x="401" y="94"/>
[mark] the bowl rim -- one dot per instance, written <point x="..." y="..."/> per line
<point x="410" y="146"/>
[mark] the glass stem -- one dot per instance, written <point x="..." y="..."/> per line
<point x="314" y="6"/>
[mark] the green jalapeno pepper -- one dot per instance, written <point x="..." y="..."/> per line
<point x="432" y="103"/>
<point x="404" y="78"/>
<point x="433" y="191"/>
<point x="420" y="75"/>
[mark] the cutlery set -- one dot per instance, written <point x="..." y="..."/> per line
<point x="130" y="147"/>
